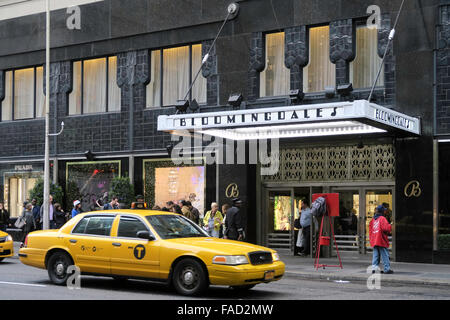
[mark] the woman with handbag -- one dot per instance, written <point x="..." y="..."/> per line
<point x="28" y="218"/>
<point x="213" y="220"/>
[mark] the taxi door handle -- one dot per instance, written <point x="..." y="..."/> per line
<point x="73" y="241"/>
<point x="116" y="244"/>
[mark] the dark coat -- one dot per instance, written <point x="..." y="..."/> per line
<point x="60" y="218"/>
<point x="234" y="224"/>
<point x="30" y="224"/>
<point x="4" y="217"/>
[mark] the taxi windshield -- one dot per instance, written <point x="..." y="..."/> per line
<point x="173" y="226"/>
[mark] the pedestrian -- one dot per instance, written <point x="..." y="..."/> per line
<point x="51" y="210"/>
<point x="305" y="223"/>
<point x="225" y="208"/>
<point x="113" y="205"/>
<point x="76" y="208"/>
<point x="234" y="228"/>
<point x="213" y="220"/>
<point x="176" y="209"/>
<point x="169" y="205"/>
<point x="4" y="218"/>
<point x="187" y="211"/>
<point x="379" y="229"/>
<point x="36" y="213"/>
<point x="194" y="211"/>
<point x="60" y="216"/>
<point x="30" y="224"/>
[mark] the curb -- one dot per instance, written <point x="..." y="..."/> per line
<point x="358" y="278"/>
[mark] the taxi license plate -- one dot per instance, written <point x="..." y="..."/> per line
<point x="269" y="275"/>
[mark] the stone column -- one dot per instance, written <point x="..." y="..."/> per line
<point x="257" y="64"/>
<point x="342" y="49"/>
<point x="296" y="54"/>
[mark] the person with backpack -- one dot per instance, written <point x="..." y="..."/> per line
<point x="379" y="229"/>
<point x="305" y="223"/>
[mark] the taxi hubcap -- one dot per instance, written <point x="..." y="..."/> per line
<point x="59" y="269"/>
<point x="189" y="278"/>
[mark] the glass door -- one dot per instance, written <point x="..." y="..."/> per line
<point x="280" y="219"/>
<point x="374" y="198"/>
<point x="346" y="227"/>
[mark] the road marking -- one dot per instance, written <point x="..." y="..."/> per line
<point x="23" y="284"/>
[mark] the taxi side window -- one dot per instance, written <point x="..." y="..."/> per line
<point x="129" y="227"/>
<point x="100" y="226"/>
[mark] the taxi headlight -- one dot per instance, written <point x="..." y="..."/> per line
<point x="275" y="256"/>
<point x="9" y="238"/>
<point x="230" y="260"/>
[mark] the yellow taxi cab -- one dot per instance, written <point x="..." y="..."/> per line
<point x="151" y="245"/>
<point x="6" y="246"/>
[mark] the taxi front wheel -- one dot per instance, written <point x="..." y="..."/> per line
<point x="57" y="267"/>
<point x="189" y="277"/>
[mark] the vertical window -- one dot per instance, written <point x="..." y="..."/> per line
<point x="95" y="87"/>
<point x="40" y="97"/>
<point x="172" y="72"/>
<point x="154" y="87"/>
<point x="364" y="69"/>
<point x="24" y="96"/>
<point x="24" y="93"/>
<point x="175" y="74"/>
<point x="7" y="102"/>
<point x="320" y="72"/>
<point x="275" y="79"/>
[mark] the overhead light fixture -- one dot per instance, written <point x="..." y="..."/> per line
<point x="295" y="131"/>
<point x="89" y="155"/>
<point x="330" y="92"/>
<point x="296" y="95"/>
<point x="235" y="100"/>
<point x="194" y="105"/>
<point x="182" y="106"/>
<point x="344" y="90"/>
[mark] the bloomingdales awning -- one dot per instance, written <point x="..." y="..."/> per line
<point x="342" y="118"/>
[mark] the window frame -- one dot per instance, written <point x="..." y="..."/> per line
<point x="13" y="89"/>
<point x="93" y="235"/>
<point x="135" y="218"/>
<point x="161" y="75"/>
<point x="107" y="89"/>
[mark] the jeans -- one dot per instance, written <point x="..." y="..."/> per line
<point x="383" y="253"/>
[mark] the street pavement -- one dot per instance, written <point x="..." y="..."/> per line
<point x="301" y="282"/>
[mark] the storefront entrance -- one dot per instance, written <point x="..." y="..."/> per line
<point x="356" y="210"/>
<point x="17" y="191"/>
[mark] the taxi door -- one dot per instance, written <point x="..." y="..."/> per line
<point x="132" y="256"/>
<point x="90" y="244"/>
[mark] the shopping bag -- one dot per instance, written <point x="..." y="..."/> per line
<point x="300" y="238"/>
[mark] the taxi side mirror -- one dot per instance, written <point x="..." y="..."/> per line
<point x="145" y="235"/>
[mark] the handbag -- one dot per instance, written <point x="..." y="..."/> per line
<point x="20" y="222"/>
<point x="300" y="238"/>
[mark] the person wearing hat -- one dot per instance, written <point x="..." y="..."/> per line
<point x="76" y="208"/>
<point x="234" y="229"/>
<point x="379" y="229"/>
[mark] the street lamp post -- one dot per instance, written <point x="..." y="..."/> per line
<point x="46" y="220"/>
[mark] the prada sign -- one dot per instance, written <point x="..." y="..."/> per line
<point x="360" y="111"/>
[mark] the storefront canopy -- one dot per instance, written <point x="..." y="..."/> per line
<point x="342" y="118"/>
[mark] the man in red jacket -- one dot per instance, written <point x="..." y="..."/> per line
<point x="379" y="229"/>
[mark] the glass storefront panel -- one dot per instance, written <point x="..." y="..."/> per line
<point x="444" y="199"/>
<point x="373" y="200"/>
<point x="349" y="213"/>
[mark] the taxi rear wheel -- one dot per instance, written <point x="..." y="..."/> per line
<point x="189" y="278"/>
<point x="57" y="267"/>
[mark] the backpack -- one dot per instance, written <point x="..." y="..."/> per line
<point x="319" y="207"/>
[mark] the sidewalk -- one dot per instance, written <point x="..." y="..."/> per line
<point x="355" y="269"/>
